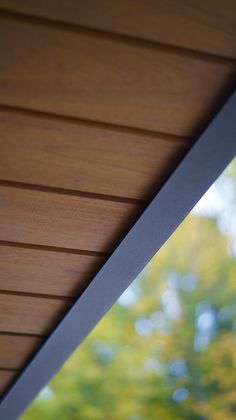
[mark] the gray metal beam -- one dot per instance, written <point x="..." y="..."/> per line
<point x="206" y="160"/>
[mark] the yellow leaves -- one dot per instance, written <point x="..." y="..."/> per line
<point x="221" y="359"/>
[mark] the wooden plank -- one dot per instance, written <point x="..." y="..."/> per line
<point x="6" y="376"/>
<point x="85" y="158"/>
<point x="98" y="78"/>
<point x="160" y="219"/>
<point x="62" y="220"/>
<point x="205" y="25"/>
<point x="29" y="314"/>
<point x="45" y="272"/>
<point x="15" y="350"/>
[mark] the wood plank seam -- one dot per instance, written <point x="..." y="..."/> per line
<point x="112" y="127"/>
<point x="40" y="226"/>
<point x="39" y="273"/>
<point x="19" y="334"/>
<point x="186" y="187"/>
<point x="37" y="295"/>
<point x="31" y="315"/>
<point x="143" y="94"/>
<point x="84" y="156"/>
<point x="203" y="26"/>
<point x="121" y="38"/>
<point x="71" y="192"/>
<point x="54" y="249"/>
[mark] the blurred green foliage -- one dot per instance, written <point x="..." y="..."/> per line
<point x="167" y="348"/>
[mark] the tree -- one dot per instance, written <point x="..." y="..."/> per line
<point x="167" y="349"/>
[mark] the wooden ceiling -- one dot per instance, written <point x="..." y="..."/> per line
<point x="99" y="101"/>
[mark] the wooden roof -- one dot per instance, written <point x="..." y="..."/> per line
<point x="99" y="102"/>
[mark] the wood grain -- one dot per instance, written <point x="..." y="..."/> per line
<point x="15" y="350"/>
<point x="66" y="221"/>
<point x="45" y="272"/>
<point x="98" y="78"/>
<point x="205" y="25"/>
<point x="89" y="159"/>
<point x="5" y="379"/>
<point x="30" y="315"/>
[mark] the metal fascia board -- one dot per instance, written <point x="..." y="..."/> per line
<point x="206" y="160"/>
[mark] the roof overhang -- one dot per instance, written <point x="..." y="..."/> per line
<point x="215" y="148"/>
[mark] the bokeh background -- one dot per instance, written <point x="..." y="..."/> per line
<point x="167" y="348"/>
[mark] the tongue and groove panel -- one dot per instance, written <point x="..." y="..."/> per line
<point x="99" y="102"/>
